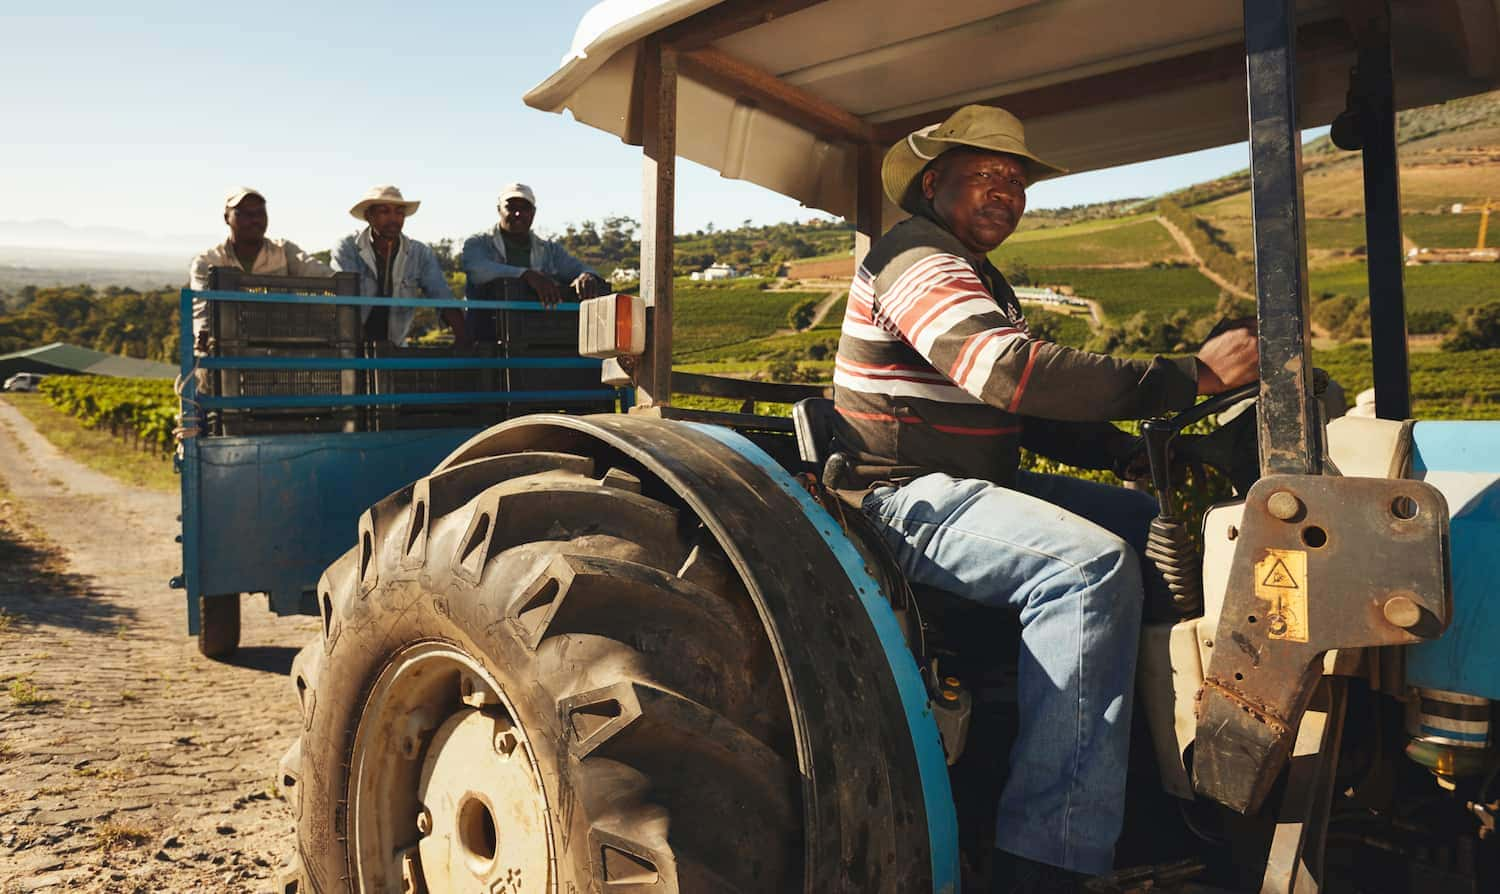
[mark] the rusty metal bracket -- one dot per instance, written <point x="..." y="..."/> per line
<point x="1321" y="563"/>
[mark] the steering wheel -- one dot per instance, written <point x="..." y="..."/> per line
<point x="1158" y="434"/>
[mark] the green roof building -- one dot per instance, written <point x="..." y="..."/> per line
<point x="61" y="359"/>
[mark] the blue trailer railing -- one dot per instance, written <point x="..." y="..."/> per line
<point x="268" y="512"/>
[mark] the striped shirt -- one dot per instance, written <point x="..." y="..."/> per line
<point x="937" y="370"/>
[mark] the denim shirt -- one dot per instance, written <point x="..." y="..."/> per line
<point x="484" y="260"/>
<point x="416" y="274"/>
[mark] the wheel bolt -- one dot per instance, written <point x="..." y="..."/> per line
<point x="424" y="821"/>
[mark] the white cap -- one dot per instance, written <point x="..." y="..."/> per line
<point x="234" y="199"/>
<point x="516" y="191"/>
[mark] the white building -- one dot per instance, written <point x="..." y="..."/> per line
<point x="625" y="274"/>
<point x="715" y="271"/>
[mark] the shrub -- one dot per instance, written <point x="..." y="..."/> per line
<point x="1429" y="322"/>
<point x="1478" y="328"/>
<point x="801" y="314"/>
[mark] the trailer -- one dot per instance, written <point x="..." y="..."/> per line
<point x="646" y="652"/>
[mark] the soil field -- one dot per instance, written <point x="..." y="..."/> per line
<point x="128" y="762"/>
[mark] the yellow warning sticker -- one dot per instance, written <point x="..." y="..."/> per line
<point x="1281" y="580"/>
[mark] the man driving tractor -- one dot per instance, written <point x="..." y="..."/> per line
<point x="938" y="384"/>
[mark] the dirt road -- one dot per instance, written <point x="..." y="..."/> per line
<point x="1187" y="247"/>
<point x="128" y="762"/>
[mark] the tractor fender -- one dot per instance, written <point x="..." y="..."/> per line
<point x="877" y="804"/>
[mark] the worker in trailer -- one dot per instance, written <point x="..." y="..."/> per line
<point x="392" y="265"/>
<point x="248" y="249"/>
<point x="938" y="384"/>
<point x="511" y="252"/>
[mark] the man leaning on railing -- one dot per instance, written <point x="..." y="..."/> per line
<point x="248" y="249"/>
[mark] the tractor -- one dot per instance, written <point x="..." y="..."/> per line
<point x="653" y="651"/>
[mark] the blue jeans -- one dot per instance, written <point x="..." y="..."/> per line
<point x="1063" y="553"/>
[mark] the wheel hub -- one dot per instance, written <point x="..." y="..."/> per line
<point x="444" y="792"/>
<point x="488" y="825"/>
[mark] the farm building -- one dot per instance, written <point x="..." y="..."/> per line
<point x="716" y="271"/>
<point x="62" y="359"/>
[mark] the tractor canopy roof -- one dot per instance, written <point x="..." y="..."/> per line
<point x="781" y="92"/>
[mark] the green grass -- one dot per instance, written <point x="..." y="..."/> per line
<point x="835" y="318"/>
<point x="95" y="448"/>
<point x="1031" y="229"/>
<point x="1458" y="385"/>
<point x="1446" y="287"/>
<point x="1140" y="242"/>
<point x="1121" y="293"/>
<point x="1134" y="243"/>
<point x="1446" y="230"/>
<point x="715" y="317"/>
<point x="1072" y="330"/>
<point x="778" y="347"/>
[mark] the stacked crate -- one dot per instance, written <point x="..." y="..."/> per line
<point x="541" y="333"/>
<point x="257" y="329"/>
<point x="433" y="381"/>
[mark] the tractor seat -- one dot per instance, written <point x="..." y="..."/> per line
<point x="813" y="421"/>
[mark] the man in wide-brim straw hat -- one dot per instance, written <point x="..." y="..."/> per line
<point x="938" y="383"/>
<point x="391" y="265"/>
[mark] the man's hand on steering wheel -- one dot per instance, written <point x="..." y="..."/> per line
<point x="1230" y="358"/>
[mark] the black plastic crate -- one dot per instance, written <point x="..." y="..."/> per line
<point x="285" y="422"/>
<point x="555" y="380"/>
<point x="524" y="329"/>
<point x="284" y="383"/>
<point x="283" y="325"/>
<point x="430" y="381"/>
<point x="433" y="381"/>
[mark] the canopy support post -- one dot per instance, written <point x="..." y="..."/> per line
<point x="659" y="188"/>
<point x="1290" y="440"/>
<point x="1385" y="252"/>
<point x="868" y="199"/>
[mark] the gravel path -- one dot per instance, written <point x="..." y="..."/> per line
<point x="142" y="766"/>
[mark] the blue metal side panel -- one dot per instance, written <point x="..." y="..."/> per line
<point x="277" y="509"/>
<point x="1462" y="459"/>
<point x="942" y="819"/>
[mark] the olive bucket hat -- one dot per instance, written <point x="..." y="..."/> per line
<point x="980" y="127"/>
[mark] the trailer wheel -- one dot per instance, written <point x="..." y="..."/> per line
<point x="218" y="625"/>
<point x="531" y="677"/>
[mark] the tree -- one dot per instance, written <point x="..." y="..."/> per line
<point x="1478" y="328"/>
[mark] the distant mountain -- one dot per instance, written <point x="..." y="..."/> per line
<point x="55" y="234"/>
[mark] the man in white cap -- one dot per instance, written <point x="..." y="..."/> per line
<point x="391" y="265"/>
<point x="938" y="383"/>
<point x="510" y="250"/>
<point x="248" y="249"/>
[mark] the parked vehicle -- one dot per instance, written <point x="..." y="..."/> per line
<point x="23" y="381"/>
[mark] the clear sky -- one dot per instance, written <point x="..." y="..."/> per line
<point x="143" y="116"/>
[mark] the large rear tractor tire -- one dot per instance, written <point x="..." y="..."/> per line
<point x="218" y="625"/>
<point x="531" y="677"/>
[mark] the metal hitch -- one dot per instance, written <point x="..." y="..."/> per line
<point x="1320" y="563"/>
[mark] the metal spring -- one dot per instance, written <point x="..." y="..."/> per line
<point x="1170" y="546"/>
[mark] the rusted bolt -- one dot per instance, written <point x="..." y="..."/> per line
<point x="1402" y="611"/>
<point x="1232" y="533"/>
<point x="424" y="821"/>
<point x="1276" y="624"/>
<point x="505" y="743"/>
<point x="410" y="747"/>
<point x="1284" y="505"/>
